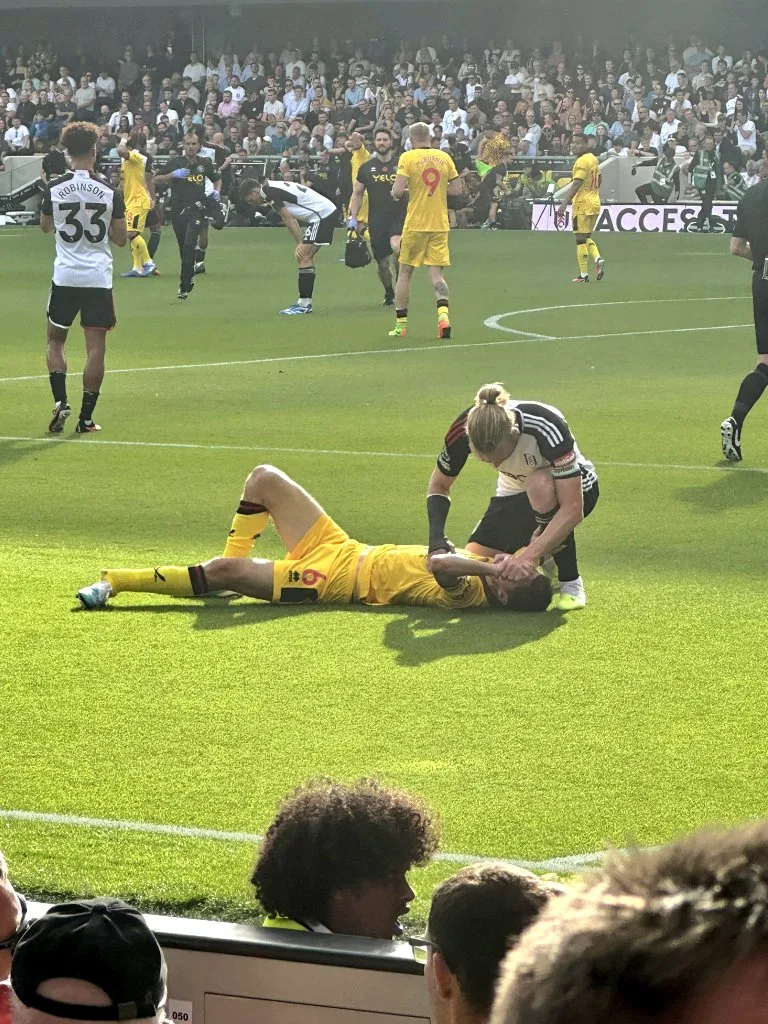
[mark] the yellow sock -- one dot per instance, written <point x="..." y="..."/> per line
<point x="139" y="251"/>
<point x="249" y="523"/>
<point x="581" y="256"/>
<point x="168" y="579"/>
<point x="592" y="249"/>
<point x="442" y="311"/>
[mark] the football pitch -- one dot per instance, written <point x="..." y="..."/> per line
<point x="535" y="737"/>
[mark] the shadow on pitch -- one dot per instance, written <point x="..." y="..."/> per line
<point x="418" y="635"/>
<point x="423" y="636"/>
<point x="732" y="489"/>
<point x="12" y="452"/>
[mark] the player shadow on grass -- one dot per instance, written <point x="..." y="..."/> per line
<point x="417" y="635"/>
<point x="19" y="451"/>
<point x="732" y="489"/>
<point x="427" y="635"/>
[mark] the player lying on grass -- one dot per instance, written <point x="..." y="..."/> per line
<point x="324" y="565"/>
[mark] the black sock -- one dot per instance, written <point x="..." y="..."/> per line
<point x="90" y="398"/>
<point x="752" y="387"/>
<point x="153" y="243"/>
<point x="565" y="560"/>
<point x="250" y="508"/>
<point x="401" y="314"/>
<point x="199" y="255"/>
<point x="58" y="379"/>
<point x="198" y="579"/>
<point x="441" y="303"/>
<point x="306" y="282"/>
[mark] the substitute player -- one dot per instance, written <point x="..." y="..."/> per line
<point x="429" y="176"/>
<point x="545" y="485"/>
<point x="311" y="219"/>
<point x="85" y="212"/>
<point x="374" y="184"/>
<point x="139" y="193"/>
<point x="584" y="191"/>
<point x="190" y="204"/>
<point x="323" y="565"/>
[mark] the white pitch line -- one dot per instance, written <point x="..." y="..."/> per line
<point x="567" y="863"/>
<point x="99" y="442"/>
<point x="521" y="338"/>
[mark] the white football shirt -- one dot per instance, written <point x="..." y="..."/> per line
<point x="82" y="205"/>
<point x="302" y="202"/>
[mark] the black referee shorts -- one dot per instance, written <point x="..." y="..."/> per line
<point x="760" y="306"/>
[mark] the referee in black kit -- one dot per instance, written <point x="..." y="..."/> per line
<point x="190" y="206"/>
<point x="750" y="241"/>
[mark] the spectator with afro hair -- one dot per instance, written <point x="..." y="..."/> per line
<point x="336" y="857"/>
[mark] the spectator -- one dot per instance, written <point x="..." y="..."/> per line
<point x="336" y="857"/>
<point x="128" y="70"/>
<point x="17" y="137"/>
<point x="89" y="960"/>
<point x="13" y="912"/>
<point x="474" y="918"/>
<point x="274" y="109"/>
<point x="353" y="94"/>
<point x="227" y="107"/>
<point x="745" y="134"/>
<point x="105" y="84"/>
<point x="296" y="103"/>
<point x="454" y="118"/>
<point x="85" y="99"/>
<point x="676" y="934"/>
<point x="669" y="126"/>
<point x="194" y="71"/>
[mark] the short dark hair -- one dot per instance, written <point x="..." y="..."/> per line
<point x="79" y="138"/>
<point x="475" y="916"/>
<point x="647" y="935"/>
<point x="330" y="835"/>
<point x="533" y="596"/>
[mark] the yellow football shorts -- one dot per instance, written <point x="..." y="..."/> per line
<point x="321" y="568"/>
<point x="584" y="223"/>
<point x="136" y="217"/>
<point x="418" y="248"/>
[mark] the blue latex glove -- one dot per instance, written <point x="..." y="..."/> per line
<point x="215" y="195"/>
<point x="181" y="172"/>
<point x="352" y="224"/>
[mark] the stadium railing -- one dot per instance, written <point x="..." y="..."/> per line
<point x="221" y="973"/>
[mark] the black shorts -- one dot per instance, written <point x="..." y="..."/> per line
<point x="760" y="306"/>
<point x="320" y="232"/>
<point x="95" y="306"/>
<point x="381" y="247"/>
<point x="508" y="522"/>
<point x="155" y="218"/>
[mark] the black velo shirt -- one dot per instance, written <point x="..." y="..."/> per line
<point x="752" y="222"/>
<point x="378" y="176"/>
<point x="187" y="191"/>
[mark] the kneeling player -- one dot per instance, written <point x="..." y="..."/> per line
<point x="376" y="178"/>
<point x="324" y="565"/>
<point x="299" y="207"/>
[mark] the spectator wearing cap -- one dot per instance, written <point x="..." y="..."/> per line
<point x="475" y="917"/>
<point x="336" y="857"/>
<point x="93" y="960"/>
<point x="13" y="912"/>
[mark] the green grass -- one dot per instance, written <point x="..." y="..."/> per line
<point x="533" y="737"/>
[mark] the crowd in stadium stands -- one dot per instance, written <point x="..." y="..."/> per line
<point x="483" y="104"/>
<point x="675" y="933"/>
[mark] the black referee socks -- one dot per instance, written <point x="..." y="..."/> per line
<point x="752" y="387"/>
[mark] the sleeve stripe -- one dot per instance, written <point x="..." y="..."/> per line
<point x="546" y="428"/>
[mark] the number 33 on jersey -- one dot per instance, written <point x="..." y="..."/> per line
<point x="82" y="205"/>
<point x="428" y="171"/>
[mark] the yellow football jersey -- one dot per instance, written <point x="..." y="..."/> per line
<point x="428" y="172"/>
<point x="135" y="190"/>
<point x="587" y="199"/>
<point x="359" y="157"/>
<point x="398" y="574"/>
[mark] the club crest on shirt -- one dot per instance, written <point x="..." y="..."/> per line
<point x="530" y="460"/>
